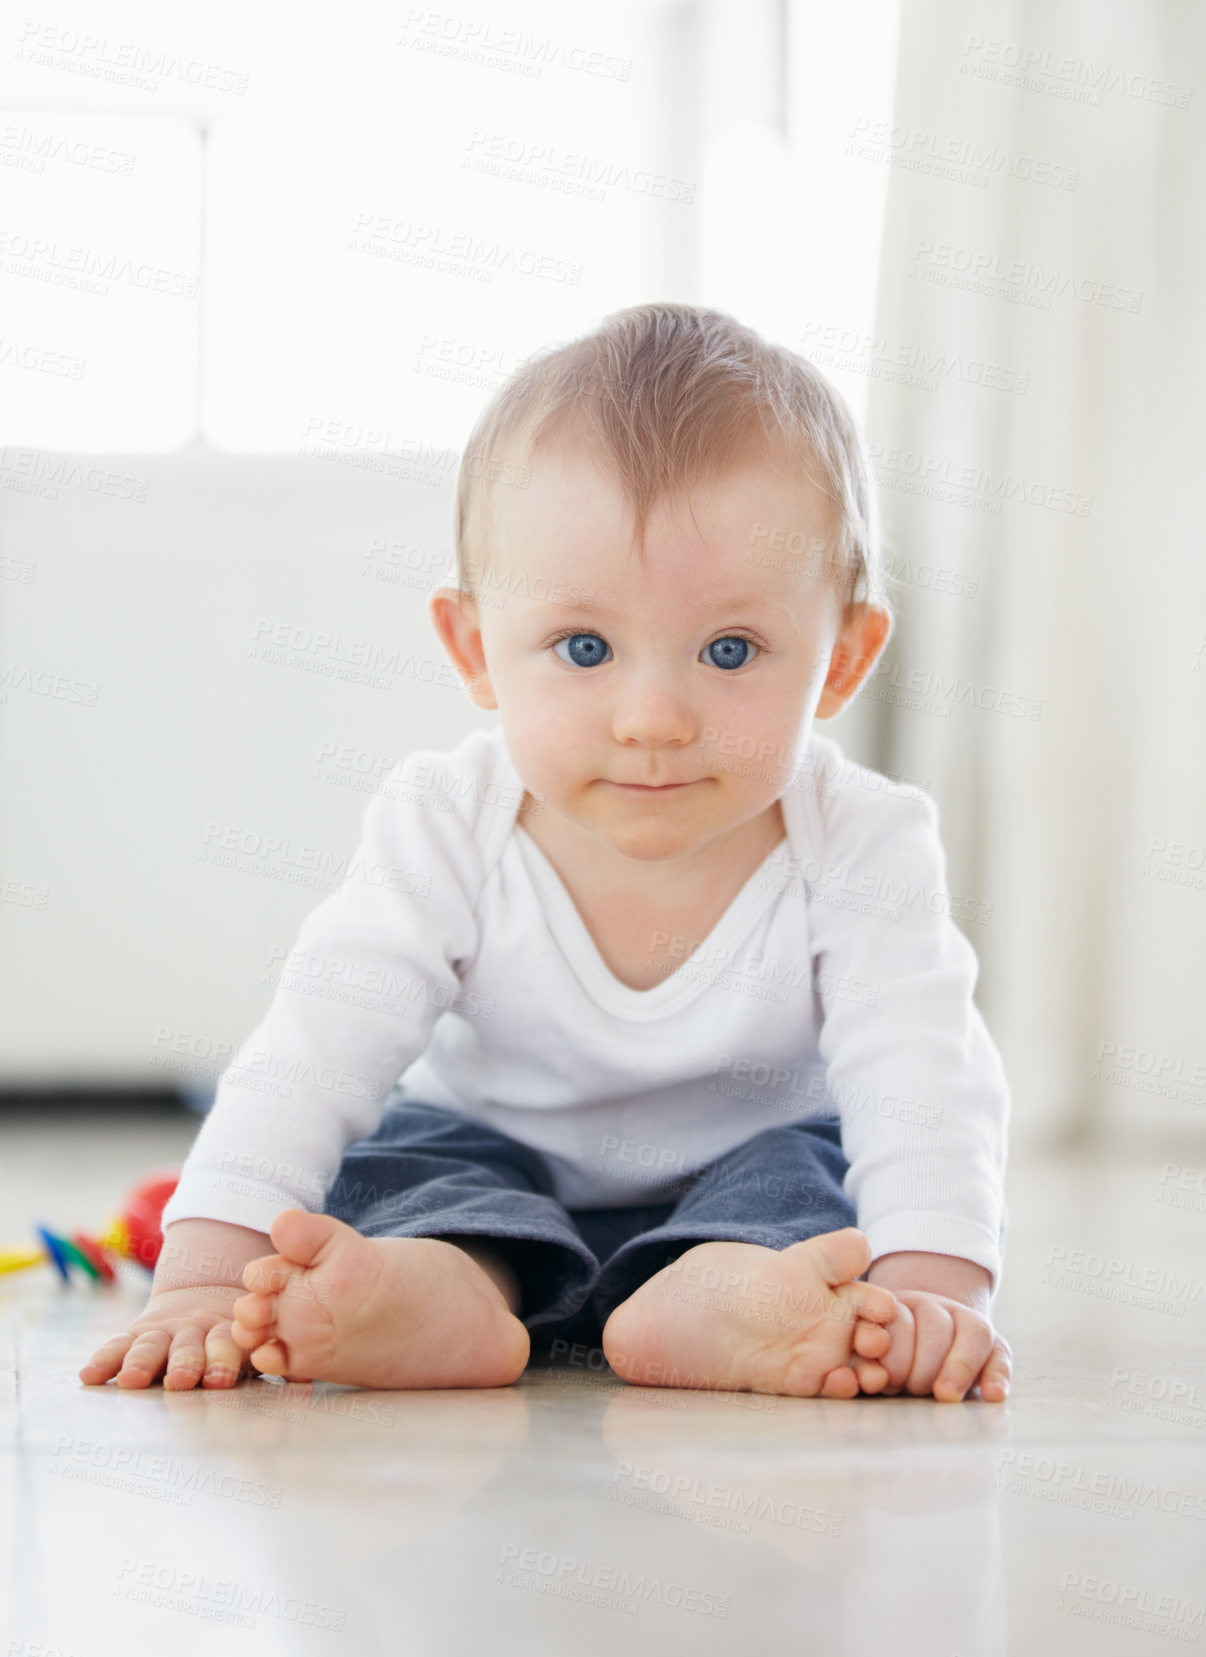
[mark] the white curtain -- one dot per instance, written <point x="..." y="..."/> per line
<point x="1036" y="387"/>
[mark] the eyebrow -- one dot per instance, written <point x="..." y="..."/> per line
<point x="736" y="603"/>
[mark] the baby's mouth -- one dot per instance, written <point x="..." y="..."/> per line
<point x="653" y="788"/>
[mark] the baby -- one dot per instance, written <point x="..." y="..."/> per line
<point x="638" y="1018"/>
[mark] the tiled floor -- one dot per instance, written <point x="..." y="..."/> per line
<point x="573" y="1514"/>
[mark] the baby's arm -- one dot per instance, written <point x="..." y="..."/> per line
<point x="942" y="1340"/>
<point x="920" y="1087"/>
<point x="313" y="1076"/>
<point x="183" y="1332"/>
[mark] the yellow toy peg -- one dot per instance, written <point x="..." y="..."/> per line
<point x="16" y="1260"/>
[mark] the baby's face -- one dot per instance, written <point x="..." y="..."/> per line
<point x="702" y="668"/>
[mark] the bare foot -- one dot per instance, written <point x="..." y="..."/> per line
<point x="411" y="1312"/>
<point x="744" y="1318"/>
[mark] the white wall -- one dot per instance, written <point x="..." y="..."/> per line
<point x="107" y="808"/>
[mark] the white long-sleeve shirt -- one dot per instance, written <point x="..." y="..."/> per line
<point x="452" y="960"/>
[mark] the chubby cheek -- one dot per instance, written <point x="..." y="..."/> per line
<point x="548" y="745"/>
<point x="744" y="734"/>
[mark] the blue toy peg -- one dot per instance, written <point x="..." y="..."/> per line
<point x="55" y="1251"/>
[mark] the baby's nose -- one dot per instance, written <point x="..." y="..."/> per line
<point x="654" y="712"/>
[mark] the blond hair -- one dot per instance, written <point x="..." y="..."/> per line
<point x="667" y="397"/>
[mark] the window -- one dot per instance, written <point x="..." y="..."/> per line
<point x="100" y="249"/>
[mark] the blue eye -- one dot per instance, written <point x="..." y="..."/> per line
<point x="589" y="649"/>
<point x="731" y="651"/>
<point x="586" y="649"/>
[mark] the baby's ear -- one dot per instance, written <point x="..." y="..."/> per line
<point x="864" y="632"/>
<point x="454" y="616"/>
<point x="446" y="606"/>
<point x="866" y="629"/>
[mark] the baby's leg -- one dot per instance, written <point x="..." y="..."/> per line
<point x="745" y="1318"/>
<point x="764" y="1297"/>
<point x="412" y="1312"/>
<point x="407" y="1279"/>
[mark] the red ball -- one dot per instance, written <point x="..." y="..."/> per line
<point x="143" y="1211"/>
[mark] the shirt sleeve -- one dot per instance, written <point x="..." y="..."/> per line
<point x="919" y="1085"/>
<point x="375" y="965"/>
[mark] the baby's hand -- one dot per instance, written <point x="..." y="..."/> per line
<point x="183" y="1335"/>
<point x="938" y="1345"/>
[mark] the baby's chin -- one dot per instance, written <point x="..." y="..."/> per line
<point x="650" y="849"/>
<point x="655" y="839"/>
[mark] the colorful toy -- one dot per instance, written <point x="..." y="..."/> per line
<point x="16" y="1260"/>
<point x="134" y="1234"/>
<point x="54" y="1251"/>
<point x="95" y="1254"/>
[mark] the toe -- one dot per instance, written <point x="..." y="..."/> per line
<point x="874" y="1302"/>
<point x="268" y="1275"/>
<point x="840" y="1383"/>
<point x="255" y="1311"/>
<point x="871" y="1340"/>
<point x="840" y="1256"/>
<point x="271" y="1358"/>
<point x="872" y="1378"/>
<point x="300" y="1235"/>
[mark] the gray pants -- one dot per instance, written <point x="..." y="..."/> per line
<point x="429" y="1172"/>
